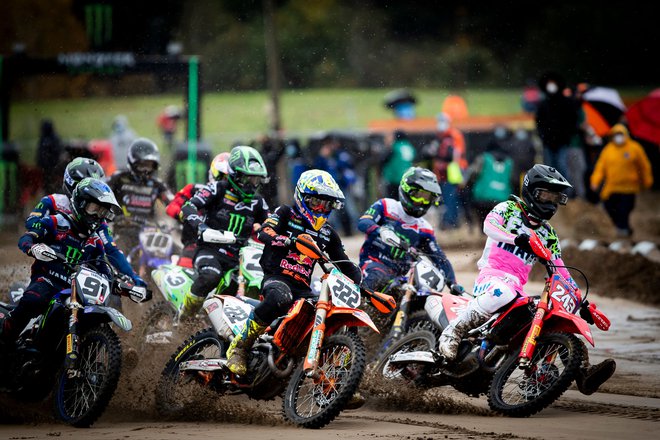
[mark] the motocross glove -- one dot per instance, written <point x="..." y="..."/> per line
<point x="522" y="241"/>
<point x="388" y="236"/>
<point x="139" y="281"/>
<point x="585" y="313"/>
<point x="456" y="289"/>
<point x="43" y="252"/>
<point x="281" y="241"/>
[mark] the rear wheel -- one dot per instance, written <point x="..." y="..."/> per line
<point x="156" y="329"/>
<point x="313" y="403"/>
<point x="178" y="390"/>
<point x="519" y="392"/>
<point x="81" y="399"/>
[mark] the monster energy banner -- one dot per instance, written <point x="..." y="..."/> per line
<point x="97" y="62"/>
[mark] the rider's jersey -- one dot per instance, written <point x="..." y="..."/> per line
<point x="188" y="233"/>
<point x="220" y="208"/>
<point x="416" y="232"/>
<point x="136" y="197"/>
<point x="502" y="225"/>
<point x="280" y="260"/>
<point x="61" y="203"/>
<point x="58" y="231"/>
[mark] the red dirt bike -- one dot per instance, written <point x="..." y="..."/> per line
<point x="524" y="357"/>
<point x="313" y="354"/>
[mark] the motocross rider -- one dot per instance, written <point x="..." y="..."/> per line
<point x="217" y="172"/>
<point x="508" y="258"/>
<point x="70" y="233"/>
<point x="137" y="190"/>
<point x="287" y="272"/>
<point x="75" y="171"/>
<point x="232" y="206"/>
<point x="389" y="224"/>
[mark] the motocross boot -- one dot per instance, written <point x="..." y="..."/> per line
<point x="470" y="317"/>
<point x="591" y="377"/>
<point x="238" y="349"/>
<point x="190" y="306"/>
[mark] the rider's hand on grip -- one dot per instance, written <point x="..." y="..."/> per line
<point x="209" y="235"/>
<point x="281" y="241"/>
<point x="456" y="289"/>
<point x="388" y="236"/>
<point x="522" y="241"/>
<point x="43" y="252"/>
<point x="139" y="294"/>
<point x="585" y="313"/>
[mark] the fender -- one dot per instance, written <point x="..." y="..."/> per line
<point x="112" y="315"/>
<point x="452" y="304"/>
<point x="562" y="321"/>
<point x="340" y="316"/>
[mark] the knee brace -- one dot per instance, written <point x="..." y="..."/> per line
<point x="277" y="300"/>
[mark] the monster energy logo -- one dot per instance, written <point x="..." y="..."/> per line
<point x="397" y="253"/>
<point x="236" y="222"/>
<point x="73" y="255"/>
<point x="98" y="22"/>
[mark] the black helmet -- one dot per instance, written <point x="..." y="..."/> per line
<point x="419" y="190"/>
<point x="247" y="171"/>
<point x="92" y="202"/>
<point x="143" y="158"/>
<point x="77" y="170"/>
<point x="542" y="191"/>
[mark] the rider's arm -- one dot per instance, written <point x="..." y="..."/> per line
<point x="370" y="220"/>
<point x="165" y="194"/>
<point x="46" y="226"/>
<point x="190" y="211"/>
<point x="173" y="209"/>
<point x="43" y="209"/>
<point x="115" y="255"/>
<point x="430" y="246"/>
<point x="336" y="252"/>
<point x="494" y="224"/>
<point x="274" y="227"/>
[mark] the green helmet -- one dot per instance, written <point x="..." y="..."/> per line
<point x="418" y="190"/>
<point x="247" y="171"/>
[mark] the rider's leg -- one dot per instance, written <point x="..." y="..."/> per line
<point x="277" y="300"/>
<point x="591" y="377"/>
<point x="33" y="302"/>
<point x="494" y="292"/>
<point x="209" y="272"/>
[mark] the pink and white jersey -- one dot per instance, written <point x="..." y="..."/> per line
<point x="502" y="225"/>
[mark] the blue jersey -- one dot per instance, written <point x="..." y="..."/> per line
<point x="58" y="232"/>
<point x="417" y="232"/>
<point x="53" y="203"/>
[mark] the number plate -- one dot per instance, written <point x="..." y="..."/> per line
<point x="428" y="277"/>
<point x="562" y="293"/>
<point x="156" y="243"/>
<point x="93" y="286"/>
<point x="235" y="312"/>
<point x="344" y="292"/>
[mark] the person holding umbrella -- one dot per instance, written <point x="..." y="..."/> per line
<point x="621" y="171"/>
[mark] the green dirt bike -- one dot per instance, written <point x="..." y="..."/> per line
<point x="161" y="319"/>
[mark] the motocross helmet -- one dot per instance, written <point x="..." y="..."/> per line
<point x="316" y="195"/>
<point x="143" y="158"/>
<point x="92" y="202"/>
<point x="418" y="191"/>
<point x="77" y="170"/>
<point x="247" y="171"/>
<point x="219" y="167"/>
<point x="542" y="192"/>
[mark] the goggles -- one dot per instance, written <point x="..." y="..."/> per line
<point x="244" y="179"/>
<point x="317" y="204"/>
<point x="95" y="210"/>
<point x="546" y="196"/>
<point x="146" y="167"/>
<point x="423" y="197"/>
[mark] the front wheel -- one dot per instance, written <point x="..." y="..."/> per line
<point x="313" y="403"/>
<point x="412" y="373"/>
<point x="81" y="399"/>
<point x="555" y="363"/>
<point x="178" y="390"/>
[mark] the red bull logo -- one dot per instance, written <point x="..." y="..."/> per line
<point x="300" y="258"/>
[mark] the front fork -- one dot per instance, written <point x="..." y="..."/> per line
<point x="401" y="316"/>
<point x="310" y="366"/>
<point x="529" y="345"/>
<point x="72" y="339"/>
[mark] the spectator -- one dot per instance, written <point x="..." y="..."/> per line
<point x="448" y="147"/>
<point x="531" y="96"/>
<point x="167" y="122"/>
<point x="622" y="171"/>
<point x="49" y="151"/>
<point x="522" y="150"/>
<point x="402" y="102"/>
<point x="121" y="137"/>
<point x="296" y="161"/>
<point x="397" y="161"/>
<point x="490" y="177"/>
<point x="271" y="149"/>
<point x="556" y="122"/>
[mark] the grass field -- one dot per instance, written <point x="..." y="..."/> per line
<point x="230" y="117"/>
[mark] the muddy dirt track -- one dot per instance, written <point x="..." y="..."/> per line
<point x="627" y="407"/>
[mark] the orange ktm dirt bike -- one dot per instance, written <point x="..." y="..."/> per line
<point x="523" y="358"/>
<point x="313" y="354"/>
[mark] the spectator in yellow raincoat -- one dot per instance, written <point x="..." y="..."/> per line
<point x="622" y="170"/>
